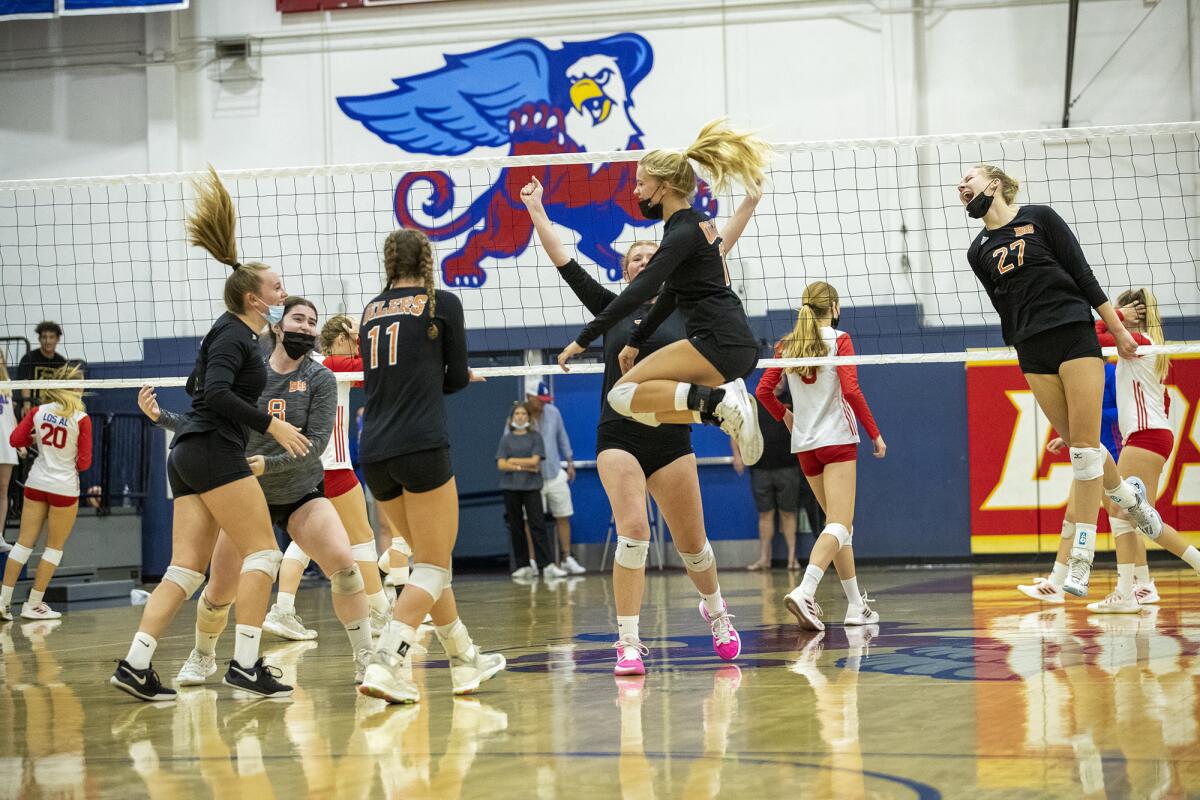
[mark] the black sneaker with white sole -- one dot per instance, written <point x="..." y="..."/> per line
<point x="141" y="683"/>
<point x="259" y="679"/>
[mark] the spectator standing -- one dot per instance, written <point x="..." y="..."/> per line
<point x="775" y="481"/>
<point x="519" y="458"/>
<point x="40" y="364"/>
<point x="556" y="481"/>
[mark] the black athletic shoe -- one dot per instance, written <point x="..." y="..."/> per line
<point x="141" y="683"/>
<point x="259" y="679"/>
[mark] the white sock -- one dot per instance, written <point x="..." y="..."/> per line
<point x="1192" y="557"/>
<point x="141" y="651"/>
<point x="681" y="396"/>
<point x="35" y="598"/>
<point x="713" y="603"/>
<point x="850" y="587"/>
<point x="395" y="634"/>
<point x="1141" y="574"/>
<point x="1123" y="495"/>
<point x="1124" y="579"/>
<point x="245" y="646"/>
<point x="378" y="601"/>
<point x="359" y="632"/>
<point x="456" y="639"/>
<point x="6" y="595"/>
<point x="627" y="628"/>
<point x="812" y="577"/>
<point x="1085" y="537"/>
<point x="286" y="601"/>
<point x="1058" y="575"/>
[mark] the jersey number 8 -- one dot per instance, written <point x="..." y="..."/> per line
<point x="277" y="407"/>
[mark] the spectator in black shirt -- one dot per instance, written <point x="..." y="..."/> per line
<point x="414" y="351"/>
<point x="698" y="379"/>
<point x="207" y="469"/>
<point x="40" y="364"/>
<point x="1035" y="273"/>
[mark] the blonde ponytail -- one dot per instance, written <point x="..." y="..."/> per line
<point x="212" y="225"/>
<point x="805" y="340"/>
<point x="722" y="152"/>
<point x="70" y="401"/>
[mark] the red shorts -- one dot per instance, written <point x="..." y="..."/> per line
<point x="1157" y="440"/>
<point x="56" y="500"/>
<point x="813" y="462"/>
<point x="339" y="481"/>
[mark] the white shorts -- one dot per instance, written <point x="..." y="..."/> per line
<point x="556" y="496"/>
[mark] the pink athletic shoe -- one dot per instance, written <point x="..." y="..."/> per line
<point x="629" y="658"/>
<point x="726" y="642"/>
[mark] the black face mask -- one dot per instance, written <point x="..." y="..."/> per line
<point x="979" y="205"/>
<point x="650" y="209"/>
<point x="297" y="344"/>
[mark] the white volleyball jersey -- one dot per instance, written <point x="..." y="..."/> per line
<point x="337" y="452"/>
<point x="1141" y="396"/>
<point x="8" y="424"/>
<point x="64" y="448"/>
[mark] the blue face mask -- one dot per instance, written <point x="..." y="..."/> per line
<point x="274" y="314"/>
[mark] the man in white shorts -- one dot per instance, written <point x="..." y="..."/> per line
<point x="556" y="482"/>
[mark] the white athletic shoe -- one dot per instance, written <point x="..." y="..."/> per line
<point x="861" y="615"/>
<point x="40" y="611"/>
<point x="1044" y="591"/>
<point x="572" y="566"/>
<point x="1116" y="604"/>
<point x="553" y="570"/>
<point x="379" y="620"/>
<point x="467" y="673"/>
<point x="287" y="625"/>
<point x="1079" y="569"/>
<point x="196" y="670"/>
<point x="5" y="613"/>
<point x="739" y="418"/>
<point x="525" y="574"/>
<point x="4" y="545"/>
<point x="805" y="609"/>
<point x="385" y="678"/>
<point x="361" y="659"/>
<point x="1144" y="514"/>
<point x="1146" y="593"/>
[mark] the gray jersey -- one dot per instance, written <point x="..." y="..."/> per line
<point x="306" y="398"/>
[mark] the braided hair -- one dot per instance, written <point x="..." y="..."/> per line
<point x="408" y="254"/>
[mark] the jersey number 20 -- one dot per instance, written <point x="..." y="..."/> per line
<point x="54" y="435"/>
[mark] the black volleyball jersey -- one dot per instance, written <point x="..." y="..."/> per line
<point x="225" y="383"/>
<point x="690" y="270"/>
<point x="596" y="299"/>
<point x="406" y="373"/>
<point x="1035" y="274"/>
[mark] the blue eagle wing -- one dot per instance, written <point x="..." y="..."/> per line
<point x="461" y="106"/>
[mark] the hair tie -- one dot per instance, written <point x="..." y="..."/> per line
<point x="237" y="265"/>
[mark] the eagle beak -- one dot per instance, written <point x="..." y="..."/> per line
<point x="587" y="90"/>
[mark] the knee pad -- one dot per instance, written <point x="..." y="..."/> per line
<point x="399" y="543"/>
<point x="1087" y="463"/>
<point x="620" y="397"/>
<point x="647" y="419"/>
<point x="346" y="581"/>
<point x="187" y="579"/>
<point x="364" y="551"/>
<point x="20" y="554"/>
<point x="1120" y="527"/>
<point x="430" y="579"/>
<point x="294" y="553"/>
<point x="1068" y="530"/>
<point x="632" y="553"/>
<point x="52" y="556"/>
<point x="839" y="532"/>
<point x="699" y="562"/>
<point x="264" y="561"/>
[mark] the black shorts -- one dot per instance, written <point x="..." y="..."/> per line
<point x="203" y="461"/>
<point x="776" y="489"/>
<point x="1043" y="353"/>
<point x="654" y="448"/>
<point x="418" y="472"/>
<point x="732" y="361"/>
<point x="282" y="512"/>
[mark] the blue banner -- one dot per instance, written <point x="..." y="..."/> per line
<point x="67" y="7"/>
<point x="26" y="9"/>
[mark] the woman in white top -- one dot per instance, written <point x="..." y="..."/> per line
<point x="8" y="453"/>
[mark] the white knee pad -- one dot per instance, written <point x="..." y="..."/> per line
<point x="699" y="562"/>
<point x="294" y="553"/>
<point x="364" y="551"/>
<point x="187" y="579"/>
<point x="647" y="419"/>
<point x="632" y="553"/>
<point x="1120" y="527"/>
<point x="264" y="561"/>
<point x="400" y="544"/>
<point x="52" y="556"/>
<point x="1087" y="463"/>
<point x="1068" y="530"/>
<point x="20" y="554"/>
<point x="620" y="397"/>
<point x="429" y="578"/>
<point x="346" y="581"/>
<point x="839" y="532"/>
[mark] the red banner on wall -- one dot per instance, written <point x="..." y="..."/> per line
<point x="1019" y="491"/>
